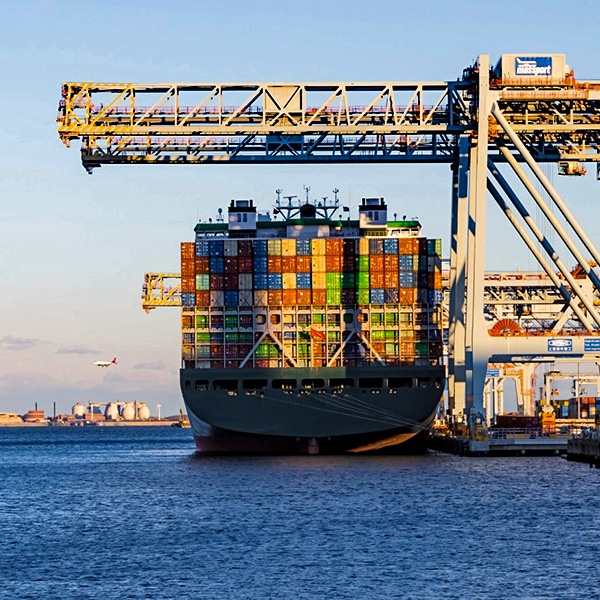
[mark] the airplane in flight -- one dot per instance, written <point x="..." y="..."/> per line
<point x="106" y="363"/>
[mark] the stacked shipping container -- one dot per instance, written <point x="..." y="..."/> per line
<point x="337" y="301"/>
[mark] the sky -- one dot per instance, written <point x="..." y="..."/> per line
<point x="74" y="247"/>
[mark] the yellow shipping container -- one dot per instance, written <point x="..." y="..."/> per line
<point x="289" y="281"/>
<point x="319" y="264"/>
<point x="274" y="247"/>
<point x="288" y="247"/>
<point x="319" y="281"/>
<point x="317" y="247"/>
<point x="363" y="246"/>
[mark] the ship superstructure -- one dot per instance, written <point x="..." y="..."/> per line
<point x="306" y="331"/>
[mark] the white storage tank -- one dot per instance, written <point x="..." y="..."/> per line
<point x="111" y="412"/>
<point x="78" y="410"/>
<point x="143" y="412"/>
<point x="128" y="412"/>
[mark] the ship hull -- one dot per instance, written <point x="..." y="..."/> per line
<point x="329" y="410"/>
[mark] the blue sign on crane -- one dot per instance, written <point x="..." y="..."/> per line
<point x="560" y="346"/>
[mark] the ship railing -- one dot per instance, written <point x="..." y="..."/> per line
<point x="522" y="433"/>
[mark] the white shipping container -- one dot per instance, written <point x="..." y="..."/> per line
<point x="523" y="67"/>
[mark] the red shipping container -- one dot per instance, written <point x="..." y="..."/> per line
<point x="376" y="263"/>
<point x="202" y="298"/>
<point x="231" y="264"/>
<point x="303" y="264"/>
<point x="188" y="283"/>
<point x="422" y="247"/>
<point x="349" y="246"/>
<point x="274" y="264"/>
<point x="303" y="297"/>
<point x="233" y="364"/>
<point x="405" y="246"/>
<point x="202" y="266"/>
<point x="289" y="297"/>
<point x="230" y="282"/>
<point x="216" y="282"/>
<point x="260" y="362"/>
<point x="216" y="350"/>
<point x="275" y="297"/>
<point x="245" y="264"/>
<point x="288" y="264"/>
<point x="245" y="248"/>
<point x="333" y="262"/>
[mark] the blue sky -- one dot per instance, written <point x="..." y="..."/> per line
<point x="74" y="247"/>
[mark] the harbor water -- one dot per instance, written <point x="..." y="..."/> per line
<point x="135" y="513"/>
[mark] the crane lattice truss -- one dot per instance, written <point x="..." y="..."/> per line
<point x="481" y="125"/>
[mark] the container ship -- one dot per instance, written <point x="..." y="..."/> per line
<point x="305" y="331"/>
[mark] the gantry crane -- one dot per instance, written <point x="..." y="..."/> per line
<point x="528" y="109"/>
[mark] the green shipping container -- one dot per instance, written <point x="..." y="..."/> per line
<point x="203" y="282"/>
<point x="333" y="280"/>
<point x="363" y="283"/>
<point x="421" y="348"/>
<point x="334" y="295"/>
<point x="201" y="321"/>
<point x="203" y="337"/>
<point x="348" y="281"/>
<point x="363" y="296"/>
<point x="231" y="322"/>
<point x="363" y="263"/>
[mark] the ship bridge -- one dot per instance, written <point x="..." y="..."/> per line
<point x="492" y="125"/>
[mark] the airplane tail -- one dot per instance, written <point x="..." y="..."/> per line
<point x="114" y="360"/>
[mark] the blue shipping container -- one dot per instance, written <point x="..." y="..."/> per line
<point x="377" y="296"/>
<point x="303" y="247"/>
<point x="188" y="299"/>
<point x="217" y="265"/>
<point x="390" y="246"/>
<point x="231" y="298"/>
<point x="303" y="281"/>
<point x="261" y="281"/>
<point x="261" y="264"/>
<point x="202" y="248"/>
<point x="275" y="281"/>
<point x="260" y="247"/>
<point x="216" y="247"/>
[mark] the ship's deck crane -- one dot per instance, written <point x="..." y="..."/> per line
<point x="529" y="109"/>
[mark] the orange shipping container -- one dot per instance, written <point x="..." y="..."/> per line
<point x="407" y="295"/>
<point x="333" y="246"/>
<point x="289" y="297"/>
<point x="303" y="297"/>
<point x="319" y="297"/>
<point x="188" y="250"/>
<point x="188" y="283"/>
<point x="333" y="262"/>
<point x="303" y="264"/>
<point x="391" y="263"/>
<point x="391" y="279"/>
<point x="377" y="279"/>
<point x="288" y="263"/>
<point x="376" y="263"/>
<point x="274" y="264"/>
<point x="275" y="297"/>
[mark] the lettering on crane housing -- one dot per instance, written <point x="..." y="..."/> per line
<point x="533" y="66"/>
